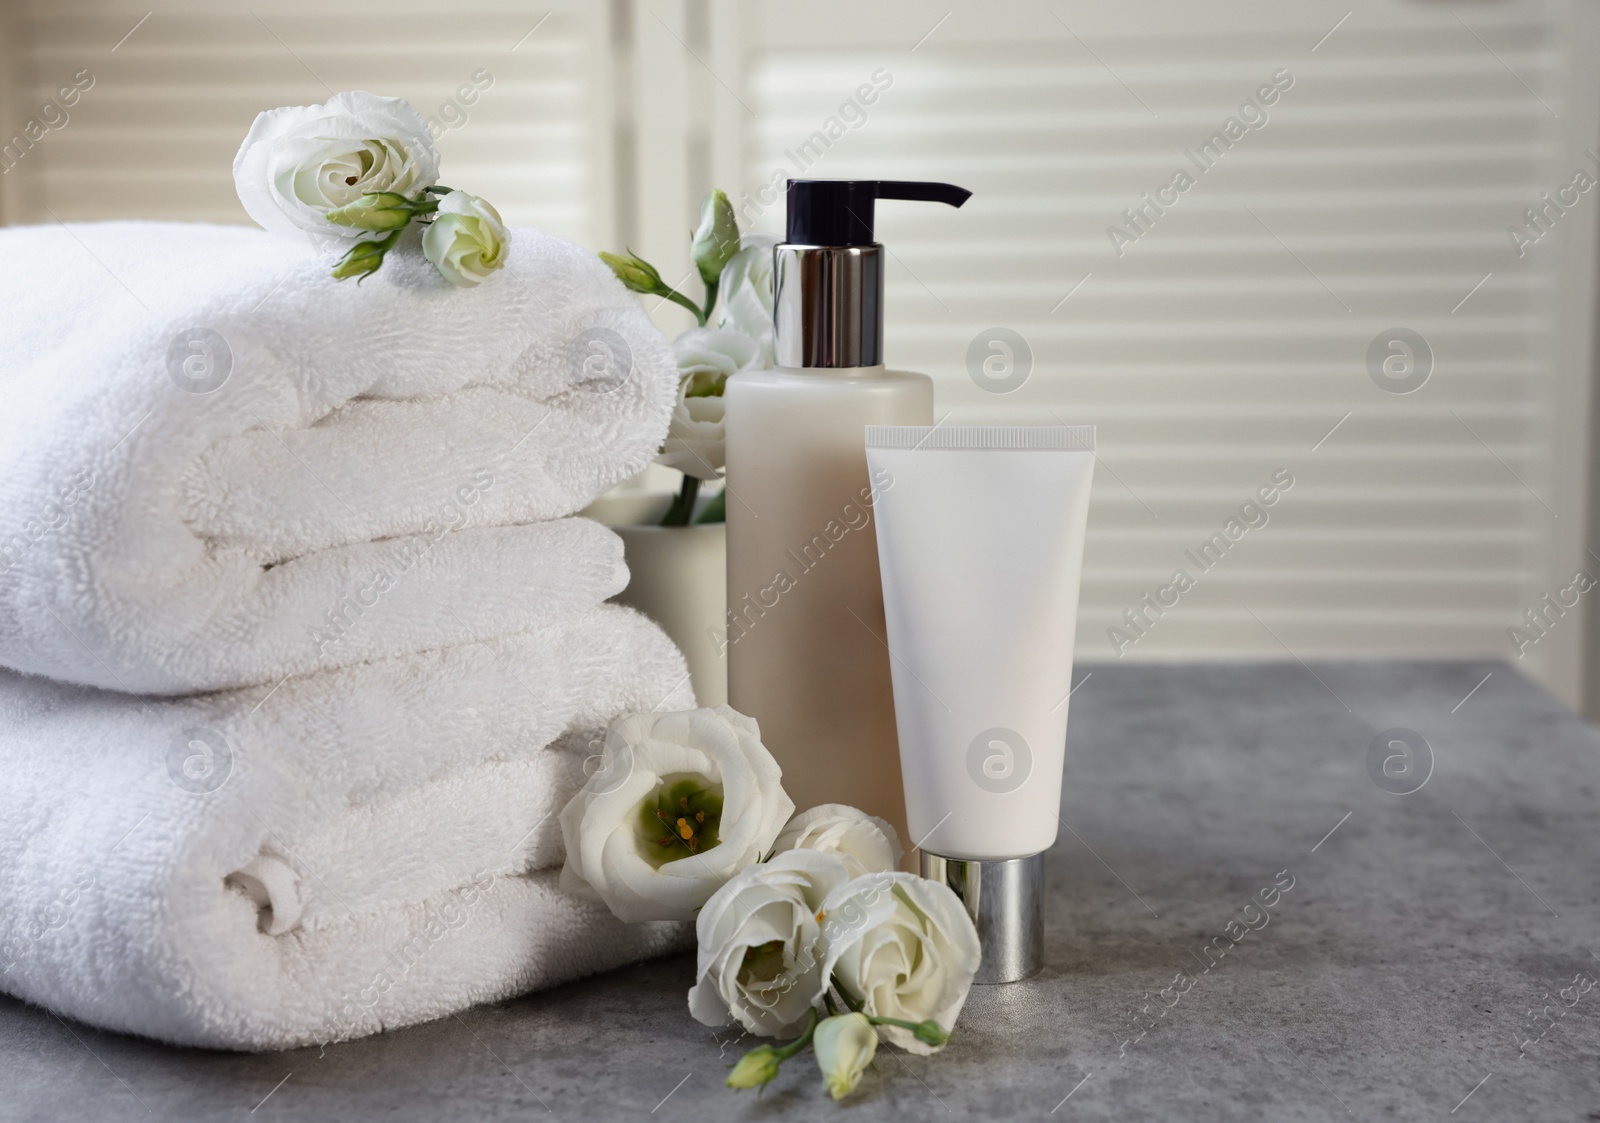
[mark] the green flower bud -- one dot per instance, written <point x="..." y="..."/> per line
<point x="930" y="1032"/>
<point x="381" y="211"/>
<point x="716" y="239"/>
<point x="363" y="260"/>
<point x="638" y="275"/>
<point x="755" y="1068"/>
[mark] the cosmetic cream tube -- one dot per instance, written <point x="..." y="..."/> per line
<point x="980" y="546"/>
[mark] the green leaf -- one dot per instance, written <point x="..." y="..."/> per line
<point x="715" y="510"/>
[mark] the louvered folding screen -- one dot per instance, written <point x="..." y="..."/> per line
<point x="1222" y="336"/>
<point x="519" y="93"/>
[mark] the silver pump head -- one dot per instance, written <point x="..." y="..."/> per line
<point x="1005" y="899"/>
<point x="827" y="277"/>
<point x="827" y="305"/>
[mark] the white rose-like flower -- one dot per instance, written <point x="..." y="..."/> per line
<point x="865" y="842"/>
<point x="466" y="241"/>
<point x="299" y="162"/>
<point x="761" y="950"/>
<point x="904" y="947"/>
<point x="679" y="804"/>
<point x="706" y="357"/>
<point x="745" y="292"/>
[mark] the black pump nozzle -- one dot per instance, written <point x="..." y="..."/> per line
<point x="838" y="212"/>
<point x="827" y="276"/>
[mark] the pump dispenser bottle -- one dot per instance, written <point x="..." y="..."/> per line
<point x="806" y="643"/>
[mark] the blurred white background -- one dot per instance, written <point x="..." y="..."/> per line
<point x="1218" y="343"/>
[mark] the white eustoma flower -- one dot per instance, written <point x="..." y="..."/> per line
<point x="904" y="948"/>
<point x="299" y="162"/>
<point x="745" y="293"/>
<point x="679" y="804"/>
<point x="865" y="842"/>
<point x="466" y="241"/>
<point x="845" y="1045"/>
<point x="761" y="952"/>
<point x="695" y="443"/>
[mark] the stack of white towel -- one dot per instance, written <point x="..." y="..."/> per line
<point x="305" y="655"/>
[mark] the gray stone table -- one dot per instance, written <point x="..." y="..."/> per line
<point x="1405" y="975"/>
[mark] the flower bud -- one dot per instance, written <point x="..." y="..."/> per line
<point x="638" y="275"/>
<point x="384" y="210"/>
<point x="716" y="239"/>
<point x="845" y="1045"/>
<point x="467" y="240"/>
<point x="363" y="260"/>
<point x="755" y="1068"/>
<point x="930" y="1032"/>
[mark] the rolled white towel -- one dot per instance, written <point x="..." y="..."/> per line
<point x="204" y="439"/>
<point x="353" y="850"/>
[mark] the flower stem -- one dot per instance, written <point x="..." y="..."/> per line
<point x="759" y="1067"/>
<point x="845" y="995"/>
<point x="715" y="511"/>
<point x="928" y="1032"/>
<point x="677" y="297"/>
<point x="800" y="1042"/>
<point x="711" y="301"/>
<point x="683" y="504"/>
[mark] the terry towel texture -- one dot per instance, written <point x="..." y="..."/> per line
<point x="355" y="850"/>
<point x="207" y="445"/>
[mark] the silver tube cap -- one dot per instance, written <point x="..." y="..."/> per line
<point x="1006" y="902"/>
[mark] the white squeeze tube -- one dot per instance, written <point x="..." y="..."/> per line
<point x="980" y="547"/>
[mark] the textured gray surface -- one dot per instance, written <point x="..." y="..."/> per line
<point x="1393" y="979"/>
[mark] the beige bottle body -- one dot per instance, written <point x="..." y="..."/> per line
<point x="807" y="656"/>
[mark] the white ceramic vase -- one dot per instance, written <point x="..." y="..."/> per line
<point x="679" y="578"/>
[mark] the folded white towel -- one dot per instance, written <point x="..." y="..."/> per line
<point x="354" y="850"/>
<point x="202" y="435"/>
